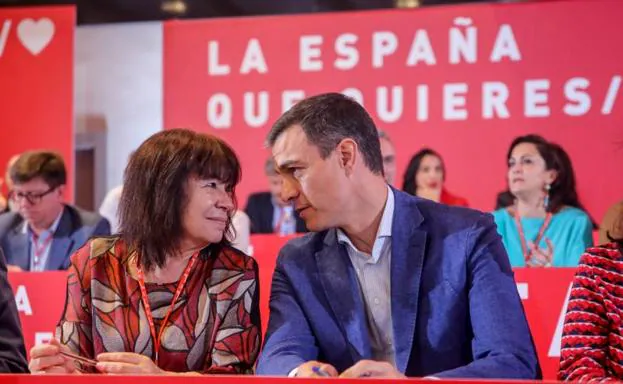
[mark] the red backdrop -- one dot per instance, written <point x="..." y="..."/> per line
<point x="36" y="82"/>
<point x="464" y="80"/>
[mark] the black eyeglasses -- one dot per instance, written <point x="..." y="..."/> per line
<point x="31" y="198"/>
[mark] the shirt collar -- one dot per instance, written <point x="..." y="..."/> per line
<point x="53" y="227"/>
<point x="287" y="208"/>
<point x="385" y="226"/>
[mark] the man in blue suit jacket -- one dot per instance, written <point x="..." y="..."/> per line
<point x="390" y="285"/>
<point x="46" y="231"/>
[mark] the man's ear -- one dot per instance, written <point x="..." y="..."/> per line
<point x="60" y="191"/>
<point x="347" y="154"/>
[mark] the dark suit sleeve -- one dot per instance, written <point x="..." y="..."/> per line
<point x="12" y="350"/>
<point x="502" y="345"/>
<point x="254" y="210"/>
<point x="289" y="339"/>
<point x="102" y="228"/>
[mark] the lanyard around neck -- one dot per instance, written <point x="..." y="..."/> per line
<point x="145" y="298"/>
<point x="527" y="254"/>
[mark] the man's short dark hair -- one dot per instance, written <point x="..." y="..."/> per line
<point x="329" y="118"/>
<point x="44" y="164"/>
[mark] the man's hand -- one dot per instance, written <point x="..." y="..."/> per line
<point x="369" y="368"/>
<point x="316" y="369"/>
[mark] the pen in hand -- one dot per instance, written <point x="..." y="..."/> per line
<point x="78" y="358"/>
<point x="316" y="369"/>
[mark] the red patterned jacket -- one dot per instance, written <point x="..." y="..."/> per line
<point x="214" y="328"/>
<point x="592" y="341"/>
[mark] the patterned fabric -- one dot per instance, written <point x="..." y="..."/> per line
<point x="214" y="328"/>
<point x="592" y="340"/>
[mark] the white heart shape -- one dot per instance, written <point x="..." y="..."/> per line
<point x="35" y="35"/>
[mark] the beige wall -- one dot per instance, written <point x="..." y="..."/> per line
<point x="118" y="88"/>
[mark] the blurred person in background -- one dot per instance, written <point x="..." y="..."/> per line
<point x="389" y="157"/>
<point x="168" y="294"/>
<point x="425" y="177"/>
<point x="546" y="226"/>
<point x="109" y="208"/>
<point x="592" y="333"/>
<point x="45" y="231"/>
<point x="241" y="236"/>
<point x="268" y="212"/>
<point x="506" y="199"/>
<point x="611" y="225"/>
<point x="6" y="205"/>
<point x="12" y="352"/>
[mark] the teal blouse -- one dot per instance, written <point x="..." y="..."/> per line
<point x="570" y="232"/>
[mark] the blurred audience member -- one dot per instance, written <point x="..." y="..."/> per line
<point x="425" y="176"/>
<point x="168" y="294"/>
<point x="268" y="212"/>
<point x="46" y="231"/>
<point x="241" y="236"/>
<point x="546" y="225"/>
<point x="4" y="203"/>
<point x="8" y="205"/>
<point x="506" y="199"/>
<point x="389" y="157"/>
<point x="12" y="352"/>
<point x="110" y="205"/>
<point x="592" y="332"/>
<point x="611" y="226"/>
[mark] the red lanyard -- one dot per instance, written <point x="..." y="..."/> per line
<point x="39" y="249"/>
<point x="522" y="237"/>
<point x="145" y="299"/>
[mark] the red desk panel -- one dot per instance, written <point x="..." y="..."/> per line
<point x="41" y="297"/>
<point x="100" y="379"/>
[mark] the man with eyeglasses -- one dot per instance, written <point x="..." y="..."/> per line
<point x="45" y="231"/>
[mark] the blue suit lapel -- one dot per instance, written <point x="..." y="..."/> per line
<point x="408" y="251"/>
<point x="341" y="288"/>
<point x="19" y="250"/>
<point x="62" y="244"/>
<point x="59" y="252"/>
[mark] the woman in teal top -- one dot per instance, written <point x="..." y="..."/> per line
<point x="546" y="226"/>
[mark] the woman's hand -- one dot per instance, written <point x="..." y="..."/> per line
<point x="126" y="363"/>
<point x="540" y="257"/>
<point x="47" y="358"/>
